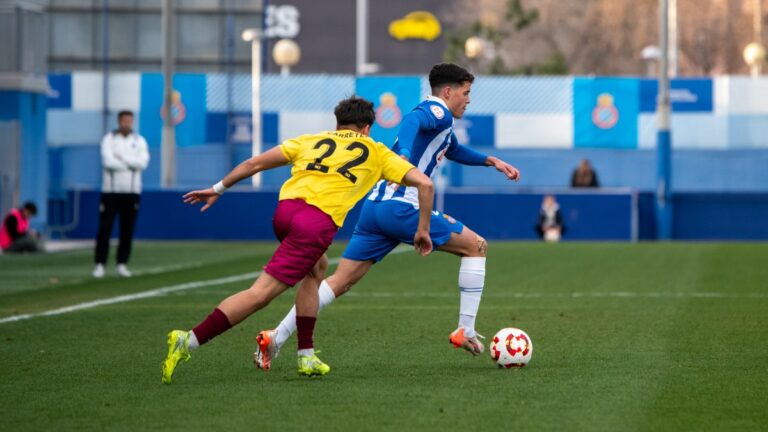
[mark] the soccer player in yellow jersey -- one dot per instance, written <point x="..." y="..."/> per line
<point x="331" y="172"/>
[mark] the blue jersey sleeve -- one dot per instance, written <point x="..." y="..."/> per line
<point x="409" y="129"/>
<point x="464" y="155"/>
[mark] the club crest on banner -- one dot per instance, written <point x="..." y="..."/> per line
<point x="388" y="114"/>
<point x="605" y="115"/>
<point x="178" y="110"/>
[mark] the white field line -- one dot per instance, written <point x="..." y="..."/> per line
<point x="616" y="294"/>
<point x="168" y="268"/>
<point x="131" y="297"/>
<point x="153" y="293"/>
<point x="246" y="276"/>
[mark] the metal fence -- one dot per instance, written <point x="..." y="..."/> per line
<point x="126" y="34"/>
<point x="24" y="35"/>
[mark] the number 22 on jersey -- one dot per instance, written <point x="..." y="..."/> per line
<point x="357" y="158"/>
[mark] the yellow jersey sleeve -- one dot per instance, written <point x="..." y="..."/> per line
<point x="393" y="167"/>
<point x="291" y="148"/>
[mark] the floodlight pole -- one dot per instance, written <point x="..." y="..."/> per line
<point x="105" y="66"/>
<point x="361" y="29"/>
<point x="664" y="134"/>
<point x="757" y="28"/>
<point x="168" y="167"/>
<point x="256" y="102"/>
<point x="254" y="36"/>
<point x="672" y="38"/>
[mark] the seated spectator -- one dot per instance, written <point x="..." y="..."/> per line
<point x="584" y="176"/>
<point x="550" y="225"/>
<point x="15" y="235"/>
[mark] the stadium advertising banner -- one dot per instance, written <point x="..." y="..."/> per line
<point x="605" y="112"/>
<point x="686" y="95"/>
<point x="393" y="97"/>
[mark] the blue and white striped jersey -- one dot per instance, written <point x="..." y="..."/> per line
<point x="426" y="138"/>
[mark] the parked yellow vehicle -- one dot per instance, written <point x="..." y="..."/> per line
<point x="416" y="25"/>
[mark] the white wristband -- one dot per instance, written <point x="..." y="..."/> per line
<point x="219" y="188"/>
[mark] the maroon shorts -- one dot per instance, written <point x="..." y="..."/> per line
<point x="305" y="233"/>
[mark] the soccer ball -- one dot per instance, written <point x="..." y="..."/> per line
<point x="511" y="347"/>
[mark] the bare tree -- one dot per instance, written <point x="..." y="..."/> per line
<point x="605" y="37"/>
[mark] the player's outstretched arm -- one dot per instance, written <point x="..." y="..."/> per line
<point x="467" y="156"/>
<point x="508" y="170"/>
<point x="421" y="241"/>
<point x="270" y="159"/>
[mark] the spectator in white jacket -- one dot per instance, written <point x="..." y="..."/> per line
<point x="124" y="155"/>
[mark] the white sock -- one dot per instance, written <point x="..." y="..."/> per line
<point x="288" y="325"/>
<point x="326" y="295"/>
<point x="193" y="343"/>
<point x="471" y="282"/>
<point x="307" y="352"/>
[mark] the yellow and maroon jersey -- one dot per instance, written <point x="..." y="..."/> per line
<point x="333" y="170"/>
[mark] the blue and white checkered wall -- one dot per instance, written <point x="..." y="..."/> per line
<point x="505" y="112"/>
<point x="544" y="125"/>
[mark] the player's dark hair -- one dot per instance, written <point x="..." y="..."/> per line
<point x="124" y="113"/>
<point x="30" y="207"/>
<point x="354" y="111"/>
<point x="450" y="74"/>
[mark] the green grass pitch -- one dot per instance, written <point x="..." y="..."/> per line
<point x="626" y="337"/>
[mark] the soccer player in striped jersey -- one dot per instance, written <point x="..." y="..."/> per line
<point x="331" y="172"/>
<point x="390" y="214"/>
